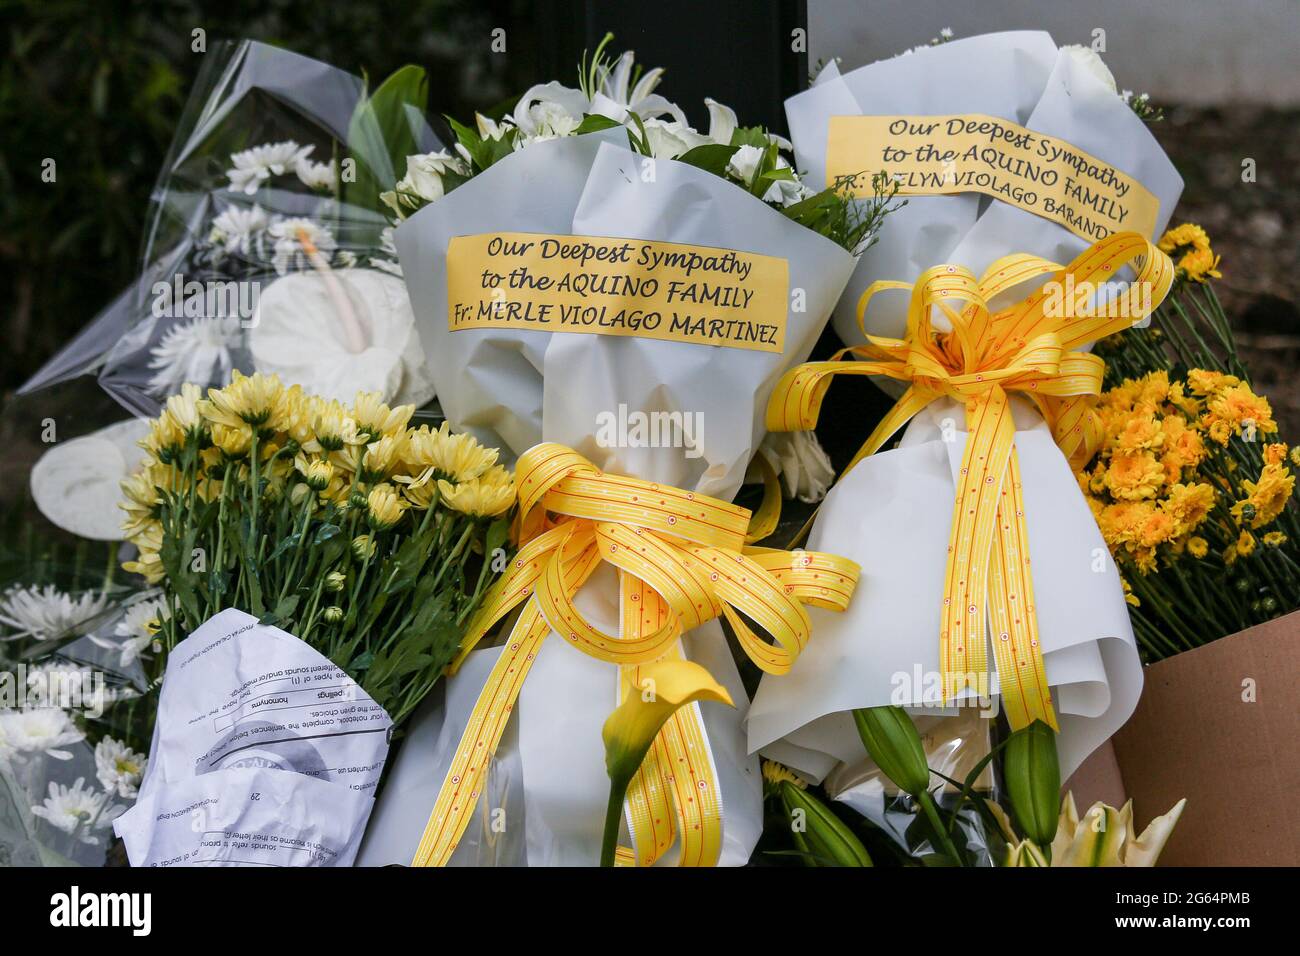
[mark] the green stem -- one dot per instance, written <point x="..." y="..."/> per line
<point x="613" y="819"/>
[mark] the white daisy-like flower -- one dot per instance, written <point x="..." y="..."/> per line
<point x="252" y="167"/>
<point x="46" y="612"/>
<point x="388" y="247"/>
<point x="316" y="175"/>
<point x="297" y="240"/>
<point x="78" y="810"/>
<point x="236" y="228"/>
<point x="119" y="768"/>
<point x="136" y="630"/>
<point x="197" y="351"/>
<point x="804" y="467"/>
<point x="44" y="730"/>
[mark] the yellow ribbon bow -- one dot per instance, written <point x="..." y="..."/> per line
<point x="1028" y="348"/>
<point x="681" y="560"/>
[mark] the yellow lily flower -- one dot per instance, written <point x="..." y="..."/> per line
<point x="631" y="728"/>
<point x="1104" y="836"/>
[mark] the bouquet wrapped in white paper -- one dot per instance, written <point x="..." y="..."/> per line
<point x="981" y="189"/>
<point x="637" y="309"/>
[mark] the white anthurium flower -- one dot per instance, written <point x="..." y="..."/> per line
<point x="300" y="334"/>
<point x="236" y="228"/>
<point x="197" y="351"/>
<point x="44" y="730"/>
<point x="804" y="467"/>
<point x="78" y="810"/>
<point x="300" y="242"/>
<point x="252" y="167"/>
<point x="1090" y="61"/>
<point x="136" y="630"/>
<point x="77" y="483"/>
<point x="320" y="176"/>
<point x="119" y="768"/>
<point x="46" y="612"/>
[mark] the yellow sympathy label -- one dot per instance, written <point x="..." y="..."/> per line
<point x="1044" y="175"/>
<point x="609" y="286"/>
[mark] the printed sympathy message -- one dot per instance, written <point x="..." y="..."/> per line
<point x="936" y="155"/>
<point x="634" y="287"/>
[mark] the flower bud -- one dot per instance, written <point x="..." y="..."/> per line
<point x="333" y="614"/>
<point x="363" y="547"/>
<point x="894" y="745"/>
<point x="319" y="474"/>
<point x="825" y="837"/>
<point x="1033" y="779"/>
<point x="335" y="580"/>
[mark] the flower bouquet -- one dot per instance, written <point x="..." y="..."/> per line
<point x="318" y="563"/>
<point x="591" y="274"/>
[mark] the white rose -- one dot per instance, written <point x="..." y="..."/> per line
<point x="669" y="139"/>
<point x="1087" y="58"/>
<point x="744" y="163"/>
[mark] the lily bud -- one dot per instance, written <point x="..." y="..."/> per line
<point x="893" y="743"/>
<point x="825" y="836"/>
<point x="1033" y="779"/>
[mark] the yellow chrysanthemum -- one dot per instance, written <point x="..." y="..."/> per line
<point x="147" y="562"/>
<point x="436" y="455"/>
<point x="255" y="400"/>
<point x="141" y="489"/>
<point x="1198" y="547"/>
<point x="384" y="507"/>
<point x="374" y="418"/>
<point x="1274" y="539"/>
<point x="484" y="497"/>
<point x="1132" y="477"/>
<point x="1189" y="505"/>
<point x="1274" y="454"/>
<point x="333" y="427"/>
<point x="382" y="457"/>
<point x="318" y="472"/>
<point x="1140" y="433"/>
<point x="1245" y="544"/>
<point x="1129" y="597"/>
<point x="1188" y="234"/>
<point x="1265" y="498"/>
<point x="1243" y="410"/>
<point x="233" y="440"/>
<point x="1204" y="382"/>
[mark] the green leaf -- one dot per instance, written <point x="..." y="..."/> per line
<point x="711" y="157"/>
<point x="594" y="123"/>
<point x="382" y="134"/>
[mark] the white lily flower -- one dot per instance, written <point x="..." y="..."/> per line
<point x="1102" y="837"/>
<point x="617" y="97"/>
<point x="252" y="167"/>
<point x="44" y="730"/>
<point x="119" y="768"/>
<point x="78" y="810"/>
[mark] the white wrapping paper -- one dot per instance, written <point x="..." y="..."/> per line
<point x="892" y="514"/>
<point x="1019" y="76"/>
<point x="516" y="388"/>
<point x="264" y="754"/>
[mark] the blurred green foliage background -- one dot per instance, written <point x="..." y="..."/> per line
<point x="98" y="87"/>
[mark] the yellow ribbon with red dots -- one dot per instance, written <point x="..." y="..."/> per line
<point x="1029" y="348"/>
<point x="681" y="560"/>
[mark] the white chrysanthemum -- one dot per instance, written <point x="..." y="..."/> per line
<point x="136" y="630"/>
<point x="78" y="810"/>
<point x="46" y="612"/>
<point x="236" y="228"/>
<point x="805" y="469"/>
<point x="316" y="175"/>
<point x="1087" y="58"/>
<point x="59" y="685"/>
<point x="44" y="730"/>
<point x="296" y="239"/>
<point x="252" y="167"/>
<point x="119" y="768"/>
<point x="389" y="263"/>
<point x="197" y="352"/>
